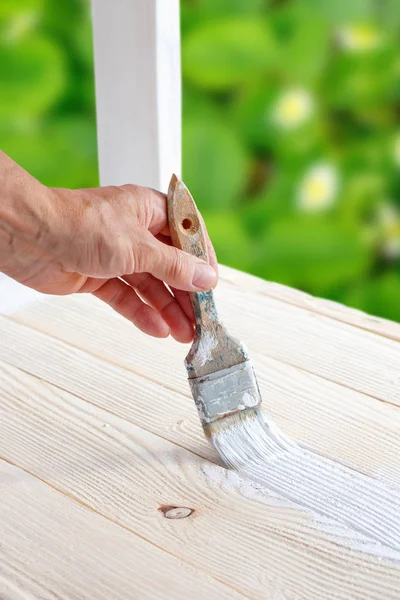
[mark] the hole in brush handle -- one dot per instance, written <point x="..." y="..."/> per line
<point x="187" y="224"/>
<point x="190" y="225"/>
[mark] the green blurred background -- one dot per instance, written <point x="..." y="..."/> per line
<point x="292" y="108"/>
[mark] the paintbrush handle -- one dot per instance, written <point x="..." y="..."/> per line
<point x="185" y="225"/>
<point x="213" y="348"/>
<point x="188" y="234"/>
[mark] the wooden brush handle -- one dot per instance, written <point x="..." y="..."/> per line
<point x="187" y="234"/>
<point x="213" y="348"/>
<point x="185" y="227"/>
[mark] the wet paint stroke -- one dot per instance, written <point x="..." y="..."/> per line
<point x="360" y="511"/>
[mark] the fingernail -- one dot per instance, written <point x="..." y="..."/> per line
<point x="204" y="276"/>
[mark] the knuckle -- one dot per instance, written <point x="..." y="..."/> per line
<point x="177" y="268"/>
<point x="131" y="189"/>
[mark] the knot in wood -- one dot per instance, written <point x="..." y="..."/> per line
<point x="176" y="512"/>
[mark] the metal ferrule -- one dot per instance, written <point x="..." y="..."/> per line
<point x="225" y="392"/>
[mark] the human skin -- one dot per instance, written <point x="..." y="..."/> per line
<point x="112" y="242"/>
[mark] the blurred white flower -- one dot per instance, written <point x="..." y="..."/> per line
<point x="388" y="214"/>
<point x="396" y="150"/>
<point x="318" y="188"/>
<point x="293" y="108"/>
<point x="391" y="248"/>
<point x="389" y="220"/>
<point x="359" y="38"/>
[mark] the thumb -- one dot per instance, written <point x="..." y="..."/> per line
<point x="177" y="268"/>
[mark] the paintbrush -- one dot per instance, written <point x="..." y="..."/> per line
<point x="221" y="377"/>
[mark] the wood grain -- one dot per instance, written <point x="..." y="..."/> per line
<point x="335" y="421"/>
<point x="339" y="352"/>
<point x="53" y="547"/>
<point x="127" y="475"/>
<point x="321" y="306"/>
<point x="104" y="416"/>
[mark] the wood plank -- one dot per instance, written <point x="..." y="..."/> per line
<point x="335" y="421"/>
<point x="52" y="547"/>
<point x="321" y="306"/>
<point x="128" y="474"/>
<point x="337" y="351"/>
<point x="138" y="91"/>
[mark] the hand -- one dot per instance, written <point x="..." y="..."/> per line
<point x="112" y="242"/>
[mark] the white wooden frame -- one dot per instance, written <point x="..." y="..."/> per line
<point x="138" y="90"/>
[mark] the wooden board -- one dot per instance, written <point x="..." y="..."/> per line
<point x="99" y="439"/>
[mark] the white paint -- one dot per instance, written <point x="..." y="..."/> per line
<point x="363" y="512"/>
<point x="248" y="401"/>
<point x="207" y="342"/>
<point x="138" y="91"/>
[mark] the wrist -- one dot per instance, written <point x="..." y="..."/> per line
<point x="23" y="212"/>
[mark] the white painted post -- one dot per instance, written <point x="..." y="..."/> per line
<point x="138" y="90"/>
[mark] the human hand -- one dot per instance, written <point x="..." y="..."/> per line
<point x="112" y="242"/>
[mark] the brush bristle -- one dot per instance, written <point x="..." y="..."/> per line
<point x="244" y="437"/>
<point x="232" y="420"/>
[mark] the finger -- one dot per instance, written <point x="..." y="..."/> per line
<point x="182" y="297"/>
<point x="154" y="292"/>
<point x="177" y="268"/>
<point x="123" y="299"/>
<point x="212" y="258"/>
<point x="184" y="302"/>
<point x="152" y="207"/>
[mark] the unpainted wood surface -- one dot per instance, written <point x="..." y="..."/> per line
<point x="335" y="350"/>
<point x="54" y="547"/>
<point x="99" y="438"/>
<point x="321" y="306"/>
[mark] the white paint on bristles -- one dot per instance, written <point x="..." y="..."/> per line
<point x="360" y="511"/>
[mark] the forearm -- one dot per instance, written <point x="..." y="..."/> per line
<point x="24" y="213"/>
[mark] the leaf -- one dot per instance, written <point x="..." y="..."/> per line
<point x="304" y="35"/>
<point x="305" y="55"/>
<point x="343" y="11"/>
<point x="32" y="77"/>
<point x="59" y="154"/>
<point x="379" y="296"/>
<point x="272" y="204"/>
<point x="251" y="114"/>
<point x="83" y="37"/>
<point x="225" y="53"/>
<point x="227" y="8"/>
<point x="364" y="82"/>
<point x="11" y="8"/>
<point x="389" y="14"/>
<point x="214" y="162"/>
<point x="313" y="254"/>
<point x="231" y="243"/>
<point x="201" y="11"/>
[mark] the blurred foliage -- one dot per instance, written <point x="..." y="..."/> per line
<point x="291" y="130"/>
<point x="47" y="110"/>
<point x="292" y="109"/>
